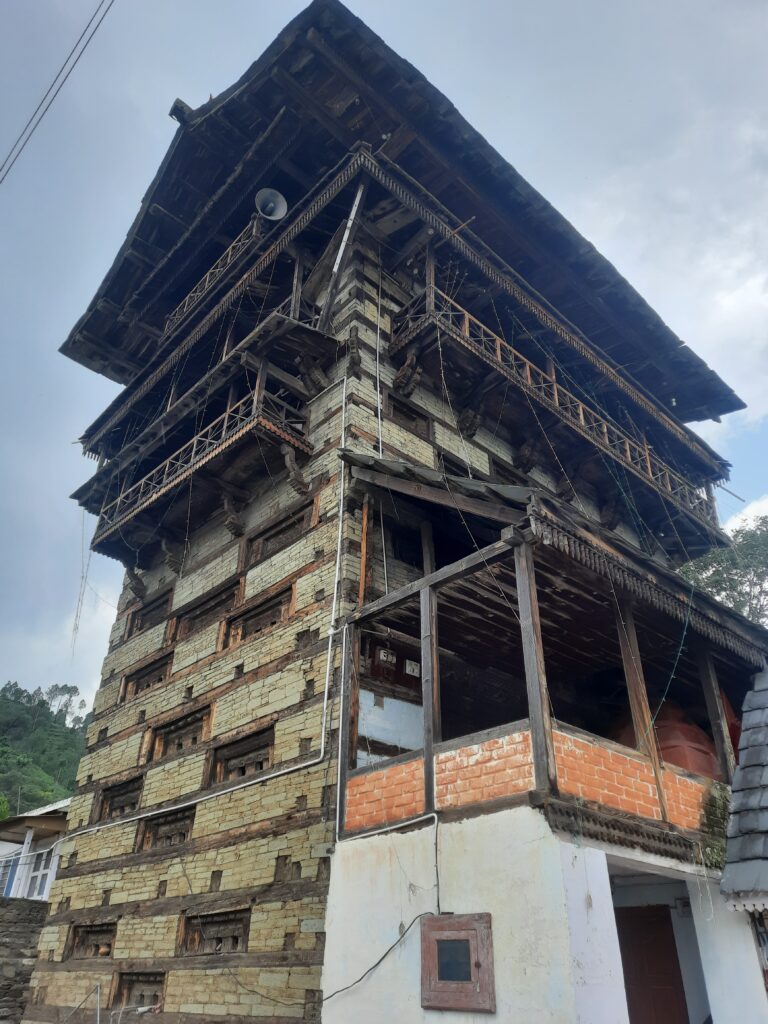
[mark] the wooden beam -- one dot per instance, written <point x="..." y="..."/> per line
<point x="482" y="558"/>
<point x="715" y="710"/>
<point x="544" y="768"/>
<point x="477" y="506"/>
<point x="642" y="720"/>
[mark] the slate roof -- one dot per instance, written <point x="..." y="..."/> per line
<point x="745" y="876"/>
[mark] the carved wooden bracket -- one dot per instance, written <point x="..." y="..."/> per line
<point x="468" y="421"/>
<point x="173" y="555"/>
<point x="313" y="376"/>
<point x="135" y="583"/>
<point x="233" y="520"/>
<point x="408" y="376"/>
<point x="354" y="357"/>
<point x="295" y="477"/>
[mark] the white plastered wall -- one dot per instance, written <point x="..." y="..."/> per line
<point x="548" y="968"/>
<point x="729" y="958"/>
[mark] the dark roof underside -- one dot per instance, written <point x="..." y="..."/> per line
<point x="324" y="83"/>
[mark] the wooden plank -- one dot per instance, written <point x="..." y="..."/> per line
<point x="642" y="720"/>
<point x="715" y="710"/>
<point x="544" y="769"/>
<point x="479" y="559"/>
<point x="477" y="506"/>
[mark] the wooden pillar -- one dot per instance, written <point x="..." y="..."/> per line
<point x="365" y="529"/>
<point x="430" y="689"/>
<point x="348" y="721"/>
<point x="258" y="391"/>
<point x="428" y="558"/>
<point x="545" y="774"/>
<point x="642" y="720"/>
<point x="711" y="687"/>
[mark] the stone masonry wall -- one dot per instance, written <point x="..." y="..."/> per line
<point x="20" y="924"/>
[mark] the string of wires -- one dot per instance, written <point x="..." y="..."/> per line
<point x="49" y="96"/>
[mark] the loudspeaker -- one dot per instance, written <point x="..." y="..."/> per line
<point x="271" y="204"/>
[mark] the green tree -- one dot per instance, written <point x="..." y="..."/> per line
<point x="737" y="576"/>
<point x="4" y="808"/>
<point x="43" y="739"/>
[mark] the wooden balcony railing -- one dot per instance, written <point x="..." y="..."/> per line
<point x="270" y="416"/>
<point x="441" y="311"/>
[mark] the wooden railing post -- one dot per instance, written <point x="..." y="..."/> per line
<point x="716" y="712"/>
<point x="544" y="770"/>
<point x="642" y="720"/>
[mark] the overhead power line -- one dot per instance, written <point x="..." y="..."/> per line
<point x="54" y="88"/>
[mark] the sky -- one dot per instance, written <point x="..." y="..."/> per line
<point x="645" y="124"/>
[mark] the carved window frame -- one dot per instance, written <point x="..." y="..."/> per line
<point x="477" y="995"/>
<point x="129" y="687"/>
<point x="409" y="416"/>
<point x="148" y="833"/>
<point x="252" y="745"/>
<point x="197" y="932"/>
<point x="160" y="742"/>
<point x="213" y="608"/>
<point x="147" y="609"/>
<point x="109" y="794"/>
<point x="272" y="539"/>
<point x="83" y="937"/>
<point x="236" y="627"/>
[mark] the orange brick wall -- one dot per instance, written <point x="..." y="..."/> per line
<point x="389" y="794"/>
<point x="685" y="799"/>
<point x="595" y="772"/>
<point x="484" y="771"/>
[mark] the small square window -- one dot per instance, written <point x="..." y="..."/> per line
<point x="457" y="963"/>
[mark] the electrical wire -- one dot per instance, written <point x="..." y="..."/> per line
<point x="382" y="958"/>
<point x="34" y="121"/>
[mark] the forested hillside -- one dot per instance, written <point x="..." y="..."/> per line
<point x="42" y="738"/>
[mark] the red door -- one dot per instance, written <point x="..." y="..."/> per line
<point x="652" y="976"/>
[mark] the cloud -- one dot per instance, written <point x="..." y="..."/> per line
<point x="750" y="512"/>
<point x="36" y="655"/>
<point x="694" y="246"/>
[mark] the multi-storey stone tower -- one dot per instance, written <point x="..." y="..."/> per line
<point x="392" y="437"/>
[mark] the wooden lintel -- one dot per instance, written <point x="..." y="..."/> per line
<point x="716" y="712"/>
<point x="489" y="510"/>
<point x="480" y="559"/>
<point x="544" y="768"/>
<point x="642" y="720"/>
